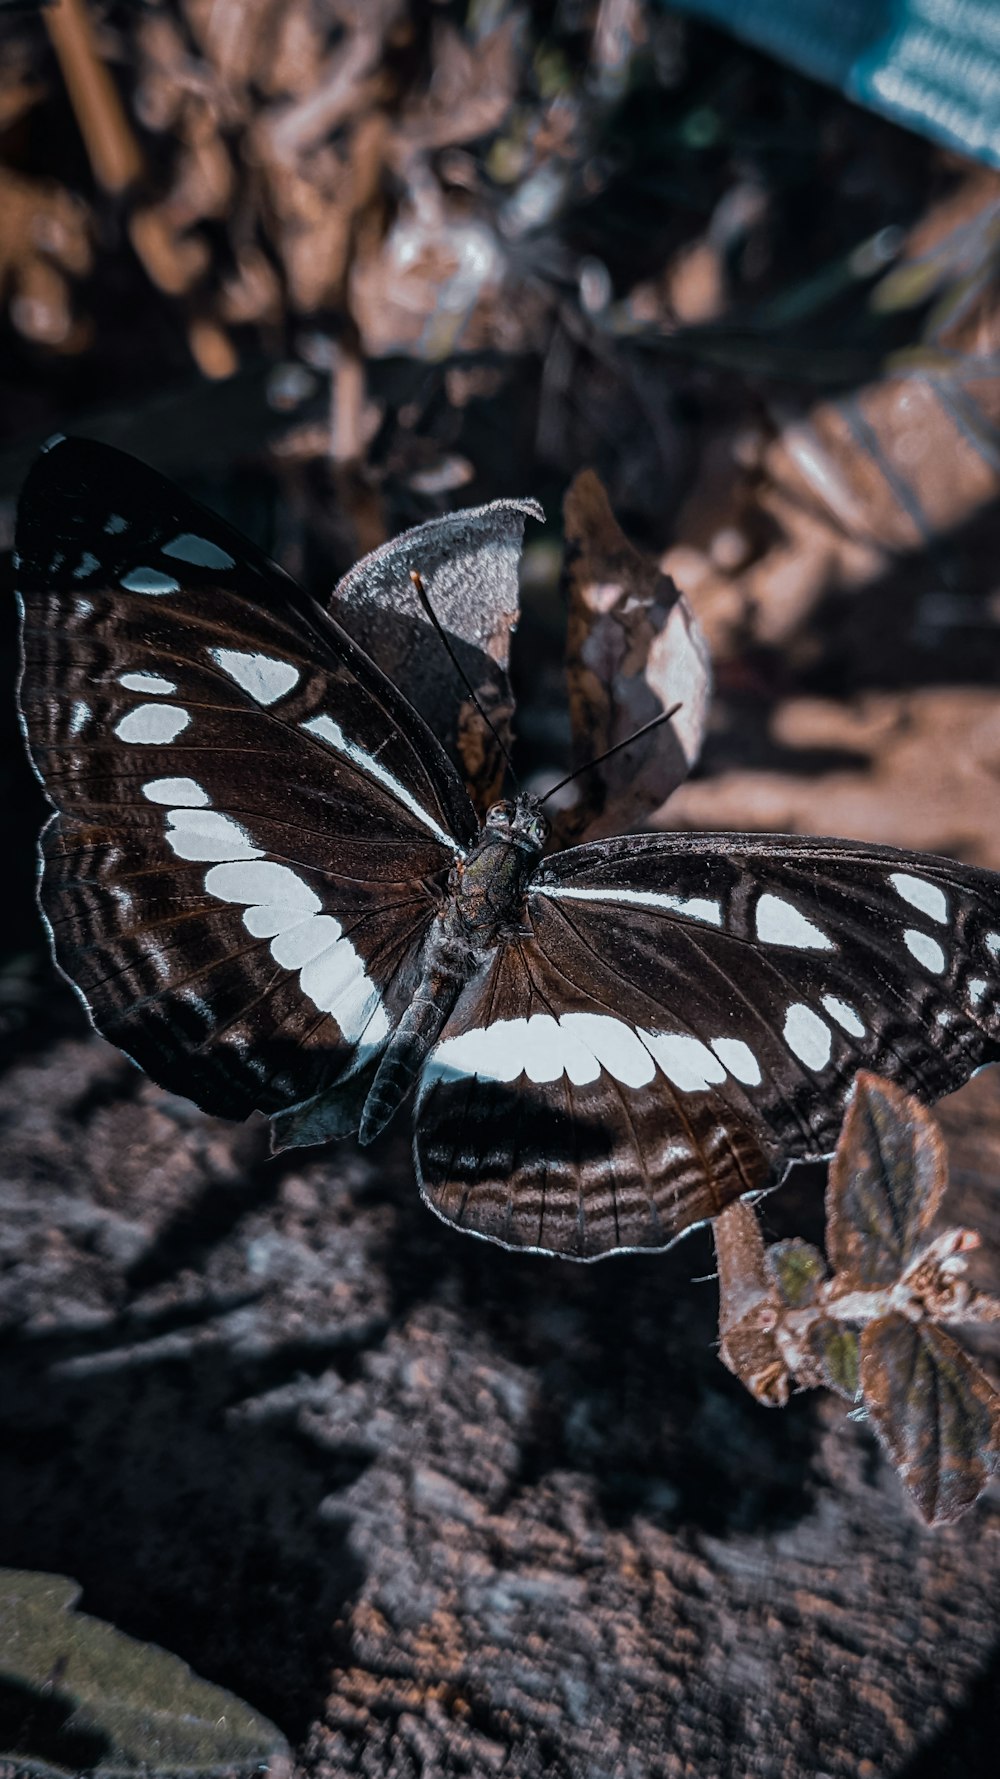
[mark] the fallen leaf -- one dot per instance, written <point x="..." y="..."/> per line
<point x="634" y="650"/>
<point x="78" y="1696"/>
<point x="845" y="487"/>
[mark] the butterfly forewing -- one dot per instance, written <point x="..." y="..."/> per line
<point x="253" y="828"/>
<point x="687" y="1015"/>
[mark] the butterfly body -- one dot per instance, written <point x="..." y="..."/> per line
<point x="484" y="906"/>
<point x="267" y="881"/>
<point x="491" y="883"/>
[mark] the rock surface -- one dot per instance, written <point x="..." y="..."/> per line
<point x="438" y="1509"/>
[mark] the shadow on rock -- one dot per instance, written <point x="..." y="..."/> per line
<point x="630" y="1389"/>
<point x="190" y="1519"/>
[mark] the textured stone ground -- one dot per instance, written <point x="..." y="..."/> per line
<point x="442" y="1510"/>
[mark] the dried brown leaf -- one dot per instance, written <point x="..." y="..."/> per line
<point x="112" y="148"/>
<point x="934" y="1411"/>
<point x="472" y="89"/>
<point x="886" y="1182"/>
<point x="634" y="650"/>
<point x="846" y="484"/>
<point x="437" y="282"/>
<point x="45" y="235"/>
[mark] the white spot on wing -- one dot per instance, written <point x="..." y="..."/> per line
<point x="926" y="950"/>
<point x="615" y="1046"/>
<point x="115" y="524"/>
<point x="89" y="564"/>
<point x="299" y="941"/>
<point x="265" y="678"/>
<point x="685" y="1060"/>
<point x="993" y="944"/>
<point x="206" y="834"/>
<point x="176" y="791"/>
<point x="577" y="1044"/>
<point x="846" y="1016"/>
<point x="580" y="1045"/>
<point x="688" y="907"/>
<point x="332" y="975"/>
<point x="266" y="919"/>
<point x="928" y="897"/>
<point x="781" y="923"/>
<point x="739" y="1059"/>
<point x="189" y="548"/>
<point x="542" y="1048"/>
<point x="150" y="580"/>
<point x="808" y="1036"/>
<point x="146" y="682"/>
<point x="329" y="731"/>
<point x="263" y="882"/>
<point x="152" y="723"/>
<point x="78" y="717"/>
<point x="976" y="989"/>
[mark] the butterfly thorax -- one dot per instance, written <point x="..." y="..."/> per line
<point x="489" y="884"/>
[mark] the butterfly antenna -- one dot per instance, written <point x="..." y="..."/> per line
<point x="636" y="735"/>
<point x="421" y="591"/>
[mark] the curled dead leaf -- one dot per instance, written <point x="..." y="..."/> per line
<point x="634" y="650"/>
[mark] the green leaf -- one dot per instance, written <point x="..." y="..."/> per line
<point x="838" y="1356"/>
<point x="798" y="1270"/>
<point x="935" y="1412"/>
<point x="78" y="1697"/>
<point x="887" y="1179"/>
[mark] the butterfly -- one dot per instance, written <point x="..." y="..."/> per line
<point x="266" y="879"/>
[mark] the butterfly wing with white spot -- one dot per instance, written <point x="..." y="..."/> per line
<point x="253" y="827"/>
<point x="687" y="1016"/>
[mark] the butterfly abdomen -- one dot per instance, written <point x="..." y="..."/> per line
<point x="448" y="963"/>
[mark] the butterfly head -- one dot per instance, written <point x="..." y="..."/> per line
<point x="520" y="822"/>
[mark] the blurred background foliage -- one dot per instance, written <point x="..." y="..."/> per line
<point x="343" y="264"/>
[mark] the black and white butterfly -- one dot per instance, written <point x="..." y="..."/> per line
<point x="267" y="880"/>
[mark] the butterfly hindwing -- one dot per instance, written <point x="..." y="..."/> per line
<point x="688" y="1014"/>
<point x="253" y="828"/>
<point x="542" y="1121"/>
